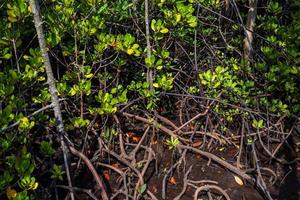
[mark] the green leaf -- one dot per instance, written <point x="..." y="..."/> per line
<point x="192" y="21"/>
<point x="153" y="22"/>
<point x="142" y="189"/>
<point x="164" y="30"/>
<point x="88" y="75"/>
<point x="46" y="148"/>
<point x="150" y="61"/>
<point x="22" y="5"/>
<point x="73" y="91"/>
<point x="130" y="51"/>
<point x="178" y="17"/>
<point x="7" y="56"/>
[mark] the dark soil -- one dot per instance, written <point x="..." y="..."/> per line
<point x="286" y="188"/>
<point x="203" y="172"/>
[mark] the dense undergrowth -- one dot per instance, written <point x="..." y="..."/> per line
<point x="98" y="51"/>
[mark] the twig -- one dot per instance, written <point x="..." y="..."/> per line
<point x="238" y="162"/>
<point x="219" y="161"/>
<point x="133" y="152"/>
<point x="185" y="184"/>
<point x="207" y="187"/>
<point x="87" y="191"/>
<point x="121" y="144"/>
<point x="119" y="172"/>
<point x="140" y="177"/>
<point x="214" y="135"/>
<point x="92" y="170"/>
<point x="260" y="181"/>
<point x="151" y="195"/>
<point x="130" y="103"/>
<point x="151" y="154"/>
<point x="30" y="115"/>
<point x="155" y="124"/>
<point x="167" y="121"/>
<point x="16" y="55"/>
<point x="203" y="181"/>
<point x="194" y="118"/>
<point x="259" y="113"/>
<point x="164" y="183"/>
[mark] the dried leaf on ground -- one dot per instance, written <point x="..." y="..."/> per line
<point x="238" y="180"/>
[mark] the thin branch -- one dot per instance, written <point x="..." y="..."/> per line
<point x="92" y="170"/>
<point x="87" y="191"/>
<point x="149" y="70"/>
<point x="208" y="187"/>
<point x="119" y="171"/>
<point x="185" y="184"/>
<point x="155" y="124"/>
<point x="193" y="119"/>
<point x="219" y="161"/>
<point x="16" y="55"/>
<point x="30" y="115"/>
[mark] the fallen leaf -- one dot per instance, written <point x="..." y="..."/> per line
<point x="172" y="180"/>
<point x="106" y="175"/>
<point x="136" y="139"/>
<point x="115" y="165"/>
<point x="142" y="189"/>
<point x="197" y="144"/>
<point x="154" y="142"/>
<point x="221" y="149"/>
<point x="130" y="134"/>
<point x="238" y="180"/>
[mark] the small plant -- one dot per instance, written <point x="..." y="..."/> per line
<point x="5" y="179"/>
<point x="164" y="81"/>
<point x="109" y="133"/>
<point x="250" y="140"/>
<point x="6" y="142"/>
<point x="258" y="124"/>
<point x="172" y="143"/>
<point x="57" y="172"/>
<point x="28" y="183"/>
<point x="143" y="89"/>
<point x="46" y="148"/>
<point x="25" y="124"/>
<point x="110" y="100"/>
<point x="79" y="122"/>
<point x="23" y="164"/>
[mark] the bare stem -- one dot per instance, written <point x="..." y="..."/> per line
<point x="249" y="30"/>
<point x="149" y="70"/>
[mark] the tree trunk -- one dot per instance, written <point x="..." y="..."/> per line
<point x="248" y="50"/>
<point x="149" y="68"/>
<point x="51" y="82"/>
